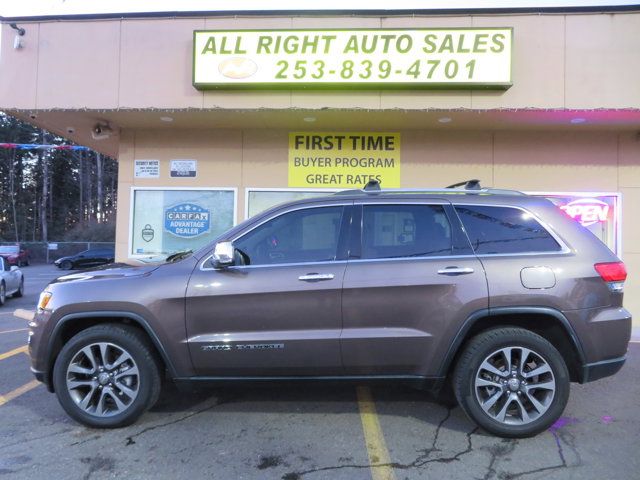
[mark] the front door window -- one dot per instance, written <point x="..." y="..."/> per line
<point x="302" y="236"/>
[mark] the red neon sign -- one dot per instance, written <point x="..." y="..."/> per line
<point x="587" y="211"/>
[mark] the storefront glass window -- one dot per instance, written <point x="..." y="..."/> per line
<point x="259" y="200"/>
<point x="169" y="220"/>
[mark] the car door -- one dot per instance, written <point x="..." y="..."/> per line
<point x="80" y="259"/>
<point x="408" y="289"/>
<point x="95" y="258"/>
<point x="278" y="312"/>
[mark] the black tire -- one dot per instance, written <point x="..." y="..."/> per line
<point x="26" y="262"/>
<point x="148" y="382"/>
<point x="20" y="292"/>
<point x="20" y="264"/>
<point x="468" y="368"/>
<point x="3" y="293"/>
<point x="66" y="265"/>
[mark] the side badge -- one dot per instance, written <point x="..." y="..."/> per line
<point x="225" y="347"/>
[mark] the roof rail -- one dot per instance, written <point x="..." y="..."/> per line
<point x="471" y="187"/>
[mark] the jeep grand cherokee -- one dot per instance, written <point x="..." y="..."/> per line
<point x="497" y="294"/>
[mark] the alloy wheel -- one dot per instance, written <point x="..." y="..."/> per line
<point x="103" y="379"/>
<point x="515" y="385"/>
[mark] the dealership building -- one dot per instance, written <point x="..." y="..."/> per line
<point x="215" y="116"/>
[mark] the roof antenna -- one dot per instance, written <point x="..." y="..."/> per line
<point x="372" y="186"/>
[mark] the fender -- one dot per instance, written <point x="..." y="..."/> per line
<point x="499" y="311"/>
<point x="134" y="317"/>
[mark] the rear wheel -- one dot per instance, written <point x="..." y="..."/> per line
<point x="20" y="292"/>
<point x="512" y="382"/>
<point x="107" y="376"/>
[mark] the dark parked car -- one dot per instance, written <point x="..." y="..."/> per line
<point x="15" y="255"/>
<point x="497" y="294"/>
<point x="86" y="259"/>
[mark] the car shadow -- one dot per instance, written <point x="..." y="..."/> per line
<point x="342" y="398"/>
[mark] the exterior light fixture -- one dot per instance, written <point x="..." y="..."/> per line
<point x="309" y="119"/>
<point x="578" y="120"/>
<point x="17" y="41"/>
<point x="445" y="120"/>
<point x="166" y="119"/>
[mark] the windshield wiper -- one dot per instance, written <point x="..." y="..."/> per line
<point x="178" y="255"/>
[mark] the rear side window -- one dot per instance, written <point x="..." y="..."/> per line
<point x="393" y="231"/>
<point x="499" y="230"/>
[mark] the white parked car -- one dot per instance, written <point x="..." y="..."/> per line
<point x="11" y="281"/>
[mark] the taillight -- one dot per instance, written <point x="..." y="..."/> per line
<point x="614" y="273"/>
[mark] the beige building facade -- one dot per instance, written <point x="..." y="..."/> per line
<point x="568" y="126"/>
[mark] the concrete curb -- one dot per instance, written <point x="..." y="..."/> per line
<point x="24" y="314"/>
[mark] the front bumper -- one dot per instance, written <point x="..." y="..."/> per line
<point x="605" y="368"/>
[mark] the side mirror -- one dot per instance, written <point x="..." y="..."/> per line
<point x="223" y="255"/>
<point x="13" y="268"/>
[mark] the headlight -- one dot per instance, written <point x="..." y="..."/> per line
<point x="45" y="297"/>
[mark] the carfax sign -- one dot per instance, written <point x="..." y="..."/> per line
<point x="343" y="159"/>
<point x="390" y="58"/>
<point x="187" y="220"/>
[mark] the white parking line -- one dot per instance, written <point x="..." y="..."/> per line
<point x="16" y="330"/>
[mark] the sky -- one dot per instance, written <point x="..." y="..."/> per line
<point x="19" y="8"/>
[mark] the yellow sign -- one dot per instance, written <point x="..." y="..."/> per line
<point x="343" y="159"/>
<point x="360" y="58"/>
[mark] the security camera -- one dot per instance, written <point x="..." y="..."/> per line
<point x="33" y="116"/>
<point x="71" y="130"/>
<point x="100" y="131"/>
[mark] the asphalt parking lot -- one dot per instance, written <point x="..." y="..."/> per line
<point x="295" y="432"/>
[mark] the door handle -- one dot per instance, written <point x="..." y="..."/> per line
<point x="455" y="271"/>
<point x="316" y="277"/>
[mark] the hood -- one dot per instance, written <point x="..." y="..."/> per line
<point x="111" y="271"/>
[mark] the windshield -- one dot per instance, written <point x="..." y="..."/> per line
<point x="9" y="249"/>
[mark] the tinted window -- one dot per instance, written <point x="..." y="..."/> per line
<point x="504" y="230"/>
<point x="391" y="231"/>
<point x="309" y="235"/>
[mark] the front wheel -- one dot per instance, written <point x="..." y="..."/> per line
<point x="66" y="265"/>
<point x="107" y="376"/>
<point x="512" y="382"/>
<point x="3" y="293"/>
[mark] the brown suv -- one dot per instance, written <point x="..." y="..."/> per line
<point x="497" y="292"/>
